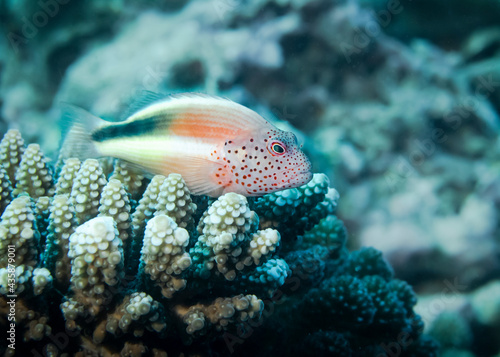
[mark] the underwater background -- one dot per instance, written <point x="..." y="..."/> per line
<point x="397" y="102"/>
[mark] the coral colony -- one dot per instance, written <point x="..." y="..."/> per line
<point x="97" y="260"/>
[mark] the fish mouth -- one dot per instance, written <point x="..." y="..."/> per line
<point x="297" y="179"/>
<point x="308" y="173"/>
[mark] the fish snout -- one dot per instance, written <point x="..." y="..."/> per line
<point x="301" y="176"/>
<point x="305" y="175"/>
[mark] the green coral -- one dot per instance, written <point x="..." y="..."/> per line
<point x="326" y="343"/>
<point x="342" y="302"/>
<point x="329" y="232"/>
<point x="268" y="277"/>
<point x="308" y="266"/>
<point x="367" y="262"/>
<point x="296" y="210"/>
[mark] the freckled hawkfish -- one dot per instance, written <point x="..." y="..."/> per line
<point x="217" y="145"/>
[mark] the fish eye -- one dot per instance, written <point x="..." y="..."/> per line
<point x="277" y="148"/>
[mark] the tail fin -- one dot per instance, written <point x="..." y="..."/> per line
<point x="77" y="126"/>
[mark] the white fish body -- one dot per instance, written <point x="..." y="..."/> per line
<point x="217" y="145"/>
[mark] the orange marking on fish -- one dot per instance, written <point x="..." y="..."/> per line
<point x="198" y="126"/>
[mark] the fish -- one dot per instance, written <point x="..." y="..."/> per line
<point x="215" y="144"/>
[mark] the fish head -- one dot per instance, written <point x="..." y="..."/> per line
<point x="266" y="161"/>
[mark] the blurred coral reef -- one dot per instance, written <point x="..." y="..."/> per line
<point x="397" y="101"/>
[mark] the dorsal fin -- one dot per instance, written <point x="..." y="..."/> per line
<point x="144" y="99"/>
<point x="224" y="113"/>
<point x="197" y="95"/>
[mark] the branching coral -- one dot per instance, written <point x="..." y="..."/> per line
<point x="164" y="256"/>
<point x="121" y="271"/>
<point x="18" y="230"/>
<point x="86" y="190"/>
<point x="5" y="189"/>
<point x="96" y="257"/>
<point x="11" y="151"/>
<point x="33" y="175"/>
<point x="220" y="314"/>
<point x="60" y="228"/>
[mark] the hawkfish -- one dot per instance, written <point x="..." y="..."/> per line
<point x="216" y="145"/>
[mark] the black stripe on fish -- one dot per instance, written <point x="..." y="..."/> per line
<point x="126" y="129"/>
